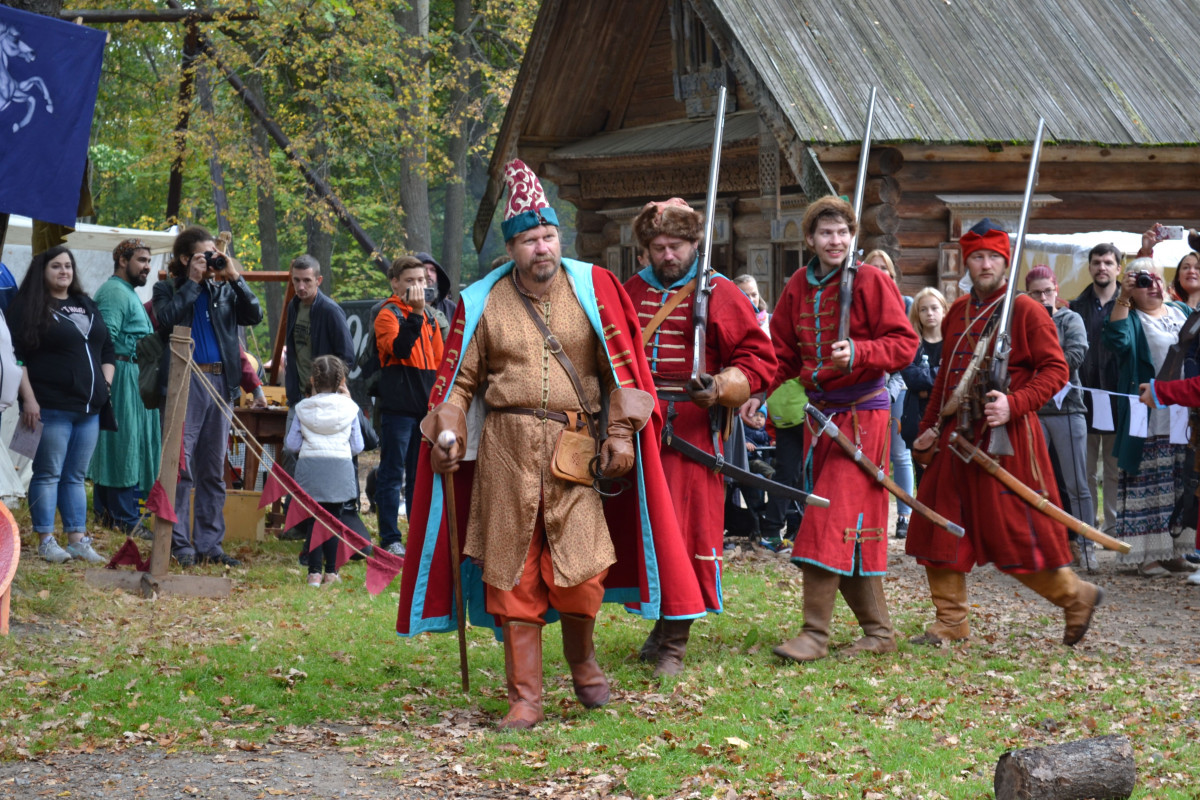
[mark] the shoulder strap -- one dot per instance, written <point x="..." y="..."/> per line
<point x="665" y="311"/>
<point x="563" y="359"/>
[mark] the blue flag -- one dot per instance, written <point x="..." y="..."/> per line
<point x="49" y="75"/>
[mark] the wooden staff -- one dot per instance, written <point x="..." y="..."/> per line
<point x="1032" y="498"/>
<point x="446" y="441"/>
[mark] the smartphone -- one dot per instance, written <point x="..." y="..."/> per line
<point x="1172" y="232"/>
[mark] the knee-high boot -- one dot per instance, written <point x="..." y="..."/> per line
<point x="820" y="592"/>
<point x="1078" y="599"/>
<point x="948" y="589"/>
<point x="523" y="670"/>
<point x="591" y="687"/>
<point x="672" y="646"/>
<point x="649" y="649"/>
<point x="864" y="595"/>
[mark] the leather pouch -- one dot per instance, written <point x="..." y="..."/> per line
<point x="573" y="453"/>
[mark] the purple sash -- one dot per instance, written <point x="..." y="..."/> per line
<point x="863" y="396"/>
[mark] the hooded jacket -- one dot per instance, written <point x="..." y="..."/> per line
<point x="410" y="351"/>
<point x="442" y="301"/>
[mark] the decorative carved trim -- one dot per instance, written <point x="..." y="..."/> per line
<point x="968" y="209"/>
<point x="739" y="176"/>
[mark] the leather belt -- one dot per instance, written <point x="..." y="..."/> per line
<point x="216" y="368"/>
<point x="126" y="359"/>
<point x="540" y="413"/>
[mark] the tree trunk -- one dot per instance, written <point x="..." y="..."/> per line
<point x="456" y="149"/>
<point x="1102" y="767"/>
<point x="414" y="180"/>
<point x="268" y="223"/>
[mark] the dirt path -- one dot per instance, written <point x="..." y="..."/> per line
<point x="1150" y="620"/>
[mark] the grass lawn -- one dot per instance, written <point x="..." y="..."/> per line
<point x="94" y="670"/>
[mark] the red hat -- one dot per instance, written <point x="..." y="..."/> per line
<point x="986" y="235"/>
<point x="527" y="207"/>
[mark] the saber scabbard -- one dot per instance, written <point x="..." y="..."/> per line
<point x="830" y="429"/>
<point x="969" y="452"/>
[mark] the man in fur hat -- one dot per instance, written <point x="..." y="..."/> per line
<point x="1000" y="527"/>
<point x="741" y="361"/>
<point x="843" y="547"/>
<point x="546" y="543"/>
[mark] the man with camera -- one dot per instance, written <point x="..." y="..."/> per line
<point x="205" y="292"/>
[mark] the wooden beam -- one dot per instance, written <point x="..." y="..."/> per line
<point x="616" y="117"/>
<point x="179" y="381"/>
<point x="96" y="16"/>
<point x="924" y="151"/>
<point x="148" y="586"/>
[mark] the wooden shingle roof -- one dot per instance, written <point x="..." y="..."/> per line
<point x="1112" y="72"/>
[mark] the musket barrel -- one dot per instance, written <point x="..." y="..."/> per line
<point x="846" y="286"/>
<point x="703" y="286"/>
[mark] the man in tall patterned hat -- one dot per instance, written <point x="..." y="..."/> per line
<point x="126" y="459"/>
<point x="843" y="547"/>
<point x="741" y="361"/>
<point x="542" y="544"/>
<point x="1000" y="528"/>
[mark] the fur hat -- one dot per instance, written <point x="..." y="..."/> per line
<point x="986" y="235"/>
<point x="527" y="206"/>
<point x="672" y="217"/>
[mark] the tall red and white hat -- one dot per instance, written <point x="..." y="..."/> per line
<point x="527" y="207"/>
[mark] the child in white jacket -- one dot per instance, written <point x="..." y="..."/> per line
<point x="326" y="435"/>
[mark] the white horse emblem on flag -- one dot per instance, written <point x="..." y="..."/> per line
<point x="19" y="91"/>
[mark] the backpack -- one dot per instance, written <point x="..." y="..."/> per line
<point x="149" y="360"/>
<point x="367" y="362"/>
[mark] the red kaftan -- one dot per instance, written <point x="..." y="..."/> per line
<point x="1000" y="527"/>
<point x="803" y="330"/>
<point x="734" y="339"/>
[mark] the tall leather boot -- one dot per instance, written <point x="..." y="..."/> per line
<point x="1078" y="599"/>
<point x="523" y="670"/>
<point x="864" y="595"/>
<point x="948" y="588"/>
<point x="820" y="592"/>
<point x="649" y="650"/>
<point x="591" y="687"/>
<point x="672" y="646"/>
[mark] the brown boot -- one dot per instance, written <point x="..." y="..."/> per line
<point x="591" y="687"/>
<point x="523" y="670"/>
<point x="649" y="650"/>
<point x="672" y="646"/>
<point x="1078" y="599"/>
<point x="820" y="592"/>
<point x="864" y="595"/>
<point x="949" y="591"/>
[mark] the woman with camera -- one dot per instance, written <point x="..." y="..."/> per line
<point x="1142" y="327"/>
<point x="68" y="362"/>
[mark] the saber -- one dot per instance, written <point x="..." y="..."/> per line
<point x="446" y="441"/>
<point x="830" y="429"/>
<point x="969" y="452"/>
<point x="850" y="266"/>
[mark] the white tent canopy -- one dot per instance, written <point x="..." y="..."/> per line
<point x="1067" y="254"/>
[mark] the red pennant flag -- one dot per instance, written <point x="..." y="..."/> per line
<point x="297" y="512"/>
<point x="159" y="504"/>
<point x="273" y="488"/>
<point x="128" y="554"/>
<point x="382" y="569"/>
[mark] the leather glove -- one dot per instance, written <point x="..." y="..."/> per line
<point x="628" y="412"/>
<point x="728" y="388"/>
<point x="445" y="417"/>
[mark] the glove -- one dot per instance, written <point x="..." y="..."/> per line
<point x="628" y="412"/>
<point x="445" y="417"/>
<point x="728" y="388"/>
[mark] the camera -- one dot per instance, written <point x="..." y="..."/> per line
<point x="215" y="261"/>
<point x="1143" y="280"/>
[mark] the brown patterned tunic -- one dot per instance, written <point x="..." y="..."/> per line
<point x="509" y="361"/>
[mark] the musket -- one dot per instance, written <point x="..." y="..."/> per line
<point x="830" y="429"/>
<point x="446" y="440"/>
<point x="703" y="283"/>
<point x="998" y="378"/>
<point x="850" y="265"/>
<point x="1172" y="368"/>
<point x="969" y="452"/>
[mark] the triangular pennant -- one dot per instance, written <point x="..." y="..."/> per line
<point x="273" y="488"/>
<point x="297" y="512"/>
<point x="321" y="533"/>
<point x="159" y="504"/>
<point x="344" y="551"/>
<point x="382" y="569"/>
<point x="128" y="554"/>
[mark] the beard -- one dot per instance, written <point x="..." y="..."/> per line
<point x="542" y="270"/>
<point x="669" y="272"/>
<point x="1102" y="281"/>
<point x="136" y="279"/>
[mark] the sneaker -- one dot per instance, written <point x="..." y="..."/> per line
<point x="1153" y="570"/>
<point x="1193" y="557"/>
<point x="395" y="548"/>
<point x="140" y="531"/>
<point x="1177" y="564"/>
<point x="185" y="560"/>
<point x="902" y="528"/>
<point x="83" y="551"/>
<point x="331" y="577"/>
<point x="50" y="550"/>
<point x="1194" y="578"/>
<point x="304" y="558"/>
<point x="222" y="558"/>
<point x="314" y="580"/>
